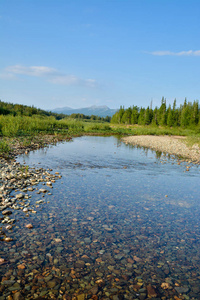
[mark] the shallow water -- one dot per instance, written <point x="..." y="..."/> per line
<point x="120" y="224"/>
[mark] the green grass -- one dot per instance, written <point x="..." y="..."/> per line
<point x="30" y="130"/>
<point x="97" y="127"/>
<point x="11" y="126"/>
<point x="4" y="147"/>
<point x="153" y="130"/>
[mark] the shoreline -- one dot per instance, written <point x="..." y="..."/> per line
<point x="18" y="181"/>
<point x="173" y="145"/>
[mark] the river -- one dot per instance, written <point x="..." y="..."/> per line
<point x="121" y="223"/>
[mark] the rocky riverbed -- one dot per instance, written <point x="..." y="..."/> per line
<point x="17" y="182"/>
<point x="83" y="244"/>
<point x="20" y="180"/>
<point x="173" y="145"/>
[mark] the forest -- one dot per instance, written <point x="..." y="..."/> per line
<point x="187" y="115"/>
<point x="29" y="111"/>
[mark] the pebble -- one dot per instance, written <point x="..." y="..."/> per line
<point x="43" y="191"/>
<point x="21" y="266"/>
<point x="29" y="226"/>
<point x="19" y="196"/>
<point x="6" y="212"/>
<point x="151" y="291"/>
<point x="8" y="239"/>
<point x="2" y="261"/>
<point x="182" y="289"/>
<point x="18" y="296"/>
<point x="81" y="297"/>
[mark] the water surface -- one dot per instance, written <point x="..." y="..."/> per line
<point x="120" y="220"/>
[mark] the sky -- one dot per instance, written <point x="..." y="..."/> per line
<point x="75" y="53"/>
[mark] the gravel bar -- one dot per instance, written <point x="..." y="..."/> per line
<point x="173" y="145"/>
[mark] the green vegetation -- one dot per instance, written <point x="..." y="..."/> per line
<point x="21" y="120"/>
<point x="13" y="126"/>
<point x="90" y="118"/>
<point x="24" y="110"/>
<point x="29" y="111"/>
<point x="4" y="147"/>
<point x="28" y="126"/>
<point x="185" y="116"/>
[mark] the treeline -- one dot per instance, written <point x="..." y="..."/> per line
<point x="24" y="110"/>
<point x="29" y="111"/>
<point x="92" y="117"/>
<point x="186" y="115"/>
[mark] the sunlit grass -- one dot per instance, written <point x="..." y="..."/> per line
<point x="29" y="128"/>
<point x="152" y="130"/>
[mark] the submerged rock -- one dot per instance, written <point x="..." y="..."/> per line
<point x="19" y="196"/>
<point x="182" y="289"/>
<point x="6" y="212"/>
<point x="151" y="291"/>
<point x="29" y="226"/>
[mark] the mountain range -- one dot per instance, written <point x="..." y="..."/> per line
<point x="101" y="111"/>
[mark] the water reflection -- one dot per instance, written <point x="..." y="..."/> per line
<point x="119" y="225"/>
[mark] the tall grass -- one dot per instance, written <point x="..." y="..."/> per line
<point x="97" y="127"/>
<point x="11" y="126"/>
<point x="14" y="126"/>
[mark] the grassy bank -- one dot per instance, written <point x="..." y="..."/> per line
<point x="31" y="130"/>
<point x="154" y="130"/>
<point x="12" y="126"/>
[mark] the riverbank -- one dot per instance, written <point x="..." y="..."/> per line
<point x="18" y="182"/>
<point x="173" y="145"/>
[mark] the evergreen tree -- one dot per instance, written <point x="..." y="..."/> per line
<point x="175" y="113"/>
<point x="155" y="117"/>
<point x="162" y="115"/>
<point x="126" y="118"/>
<point x="117" y="117"/>
<point x="134" y="115"/>
<point x="141" y="119"/>
<point x="195" y="113"/>
<point x="186" y="114"/>
<point x="147" y="116"/>
<point x="170" y="117"/>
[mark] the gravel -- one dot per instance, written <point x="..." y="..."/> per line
<point x="167" y="144"/>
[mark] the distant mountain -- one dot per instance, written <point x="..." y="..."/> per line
<point x="101" y="111"/>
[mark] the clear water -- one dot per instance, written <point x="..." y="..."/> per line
<point x="118" y="221"/>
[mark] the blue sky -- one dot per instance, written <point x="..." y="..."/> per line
<point x="56" y="53"/>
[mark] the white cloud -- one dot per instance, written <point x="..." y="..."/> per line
<point x="182" y="53"/>
<point x="31" y="71"/>
<point x="72" y="80"/>
<point x="50" y="74"/>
